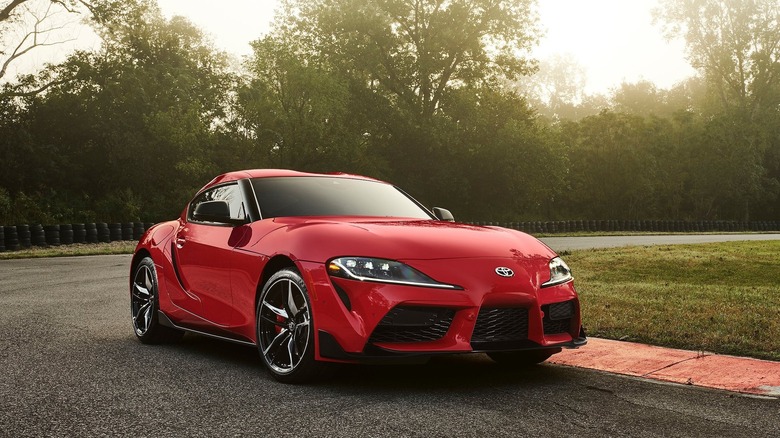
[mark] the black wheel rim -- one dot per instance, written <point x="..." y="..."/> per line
<point x="283" y="326"/>
<point x="142" y="299"/>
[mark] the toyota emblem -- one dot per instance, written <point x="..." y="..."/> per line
<point x="504" y="272"/>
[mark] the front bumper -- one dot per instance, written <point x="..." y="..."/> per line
<point x="366" y="321"/>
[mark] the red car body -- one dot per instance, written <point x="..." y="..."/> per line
<point x="210" y="276"/>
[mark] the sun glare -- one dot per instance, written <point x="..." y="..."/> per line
<point x="614" y="40"/>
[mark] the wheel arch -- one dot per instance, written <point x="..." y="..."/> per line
<point x="139" y="255"/>
<point x="274" y="265"/>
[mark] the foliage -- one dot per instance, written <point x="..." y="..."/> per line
<point x="735" y="43"/>
<point x="26" y="25"/>
<point x="128" y="131"/>
<point x="557" y="89"/>
<point x="416" y="51"/>
<point x="402" y="90"/>
<point x="431" y="95"/>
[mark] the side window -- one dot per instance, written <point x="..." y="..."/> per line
<point x="229" y="192"/>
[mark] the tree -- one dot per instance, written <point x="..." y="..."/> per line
<point x="296" y="113"/>
<point x="417" y="50"/>
<point x="131" y="125"/>
<point x="557" y="88"/>
<point x="641" y="98"/>
<point x="735" y="44"/>
<point x="496" y="161"/>
<point x="26" y="25"/>
<point x="612" y="172"/>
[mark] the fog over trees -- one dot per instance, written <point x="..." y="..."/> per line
<point x="439" y="97"/>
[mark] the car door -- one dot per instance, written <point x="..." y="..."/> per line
<point x="203" y="253"/>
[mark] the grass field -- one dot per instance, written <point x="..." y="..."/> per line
<point x="79" y="249"/>
<point x="720" y="297"/>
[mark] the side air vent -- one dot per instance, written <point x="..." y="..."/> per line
<point x="557" y="317"/>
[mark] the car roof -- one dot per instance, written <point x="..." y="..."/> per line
<point x="276" y="173"/>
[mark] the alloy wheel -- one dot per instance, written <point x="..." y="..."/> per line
<point x="283" y="325"/>
<point x="142" y="300"/>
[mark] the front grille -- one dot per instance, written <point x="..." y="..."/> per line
<point x="413" y="324"/>
<point x="501" y="325"/>
<point x="557" y="317"/>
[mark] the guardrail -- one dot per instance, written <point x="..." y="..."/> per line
<point x="16" y="237"/>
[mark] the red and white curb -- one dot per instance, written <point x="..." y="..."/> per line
<point x="731" y="373"/>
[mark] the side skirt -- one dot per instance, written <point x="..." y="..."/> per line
<point x="163" y="319"/>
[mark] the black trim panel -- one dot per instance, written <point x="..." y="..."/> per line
<point x="175" y="264"/>
<point x="163" y="319"/>
<point x="251" y="207"/>
<point x="330" y="348"/>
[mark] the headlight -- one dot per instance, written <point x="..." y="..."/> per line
<point x="381" y="270"/>
<point x="559" y="273"/>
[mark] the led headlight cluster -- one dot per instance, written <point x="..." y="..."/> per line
<point x="381" y="270"/>
<point x="559" y="273"/>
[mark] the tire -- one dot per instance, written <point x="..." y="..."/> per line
<point x="285" y="330"/>
<point x="144" y="305"/>
<point x="522" y="358"/>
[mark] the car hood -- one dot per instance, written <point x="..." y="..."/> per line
<point x="318" y="240"/>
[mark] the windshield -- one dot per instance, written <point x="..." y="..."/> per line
<point x="327" y="196"/>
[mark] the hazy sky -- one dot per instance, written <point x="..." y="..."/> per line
<point x="614" y="40"/>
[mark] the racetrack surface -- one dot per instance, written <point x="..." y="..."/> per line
<point x="71" y="366"/>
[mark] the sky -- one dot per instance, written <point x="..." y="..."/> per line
<point x="614" y="41"/>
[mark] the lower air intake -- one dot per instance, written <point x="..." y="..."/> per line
<point x="500" y="328"/>
<point x="557" y="317"/>
<point x="413" y="324"/>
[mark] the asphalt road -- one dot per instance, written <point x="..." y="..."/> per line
<point x="71" y="366"/>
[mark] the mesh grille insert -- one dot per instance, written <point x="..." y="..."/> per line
<point x="557" y="317"/>
<point x="501" y="325"/>
<point x="413" y="324"/>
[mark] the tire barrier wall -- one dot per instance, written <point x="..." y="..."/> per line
<point x="23" y="235"/>
<point x="37" y="235"/>
<point x="16" y="237"/>
<point x="11" y="238"/>
<point x="90" y="233"/>
<point x="52" y="235"/>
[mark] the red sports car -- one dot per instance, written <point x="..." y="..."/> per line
<point x="318" y="268"/>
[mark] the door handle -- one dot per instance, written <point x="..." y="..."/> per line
<point x="180" y="241"/>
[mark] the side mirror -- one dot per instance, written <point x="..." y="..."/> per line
<point x="443" y="214"/>
<point x="215" y="211"/>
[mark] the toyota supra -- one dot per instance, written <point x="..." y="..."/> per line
<point x="315" y="269"/>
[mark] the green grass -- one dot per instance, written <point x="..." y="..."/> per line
<point x="643" y="233"/>
<point x="720" y="297"/>
<point x="80" y="249"/>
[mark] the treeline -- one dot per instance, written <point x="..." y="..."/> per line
<point x="425" y="94"/>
